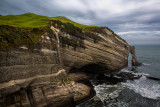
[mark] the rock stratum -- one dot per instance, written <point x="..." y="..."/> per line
<point x="42" y="69"/>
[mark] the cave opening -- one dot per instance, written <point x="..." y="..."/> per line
<point x="96" y="68"/>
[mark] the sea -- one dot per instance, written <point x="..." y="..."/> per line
<point x="141" y="92"/>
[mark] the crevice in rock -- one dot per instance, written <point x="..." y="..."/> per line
<point x="91" y="68"/>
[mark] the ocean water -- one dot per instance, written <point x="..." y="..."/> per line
<point x="149" y="55"/>
<point x="142" y="92"/>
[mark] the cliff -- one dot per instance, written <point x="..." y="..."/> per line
<point x="36" y="63"/>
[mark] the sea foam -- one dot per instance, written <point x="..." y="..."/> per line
<point x="145" y="87"/>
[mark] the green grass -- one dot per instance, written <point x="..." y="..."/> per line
<point x="35" y="21"/>
<point x="26" y="29"/>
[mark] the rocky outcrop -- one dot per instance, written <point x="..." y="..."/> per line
<point x="42" y="66"/>
<point x="134" y="58"/>
<point x="47" y="95"/>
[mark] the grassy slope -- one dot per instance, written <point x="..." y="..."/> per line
<point x="26" y="29"/>
<point x="34" y="21"/>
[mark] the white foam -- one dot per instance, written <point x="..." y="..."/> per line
<point x="105" y="92"/>
<point x="125" y="70"/>
<point x="145" y="87"/>
<point x="146" y="64"/>
<point x="108" y="94"/>
<point x="141" y="74"/>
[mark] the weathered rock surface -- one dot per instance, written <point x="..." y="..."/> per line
<point x="134" y="58"/>
<point x="49" y="95"/>
<point x="67" y="48"/>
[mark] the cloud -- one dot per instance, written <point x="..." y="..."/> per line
<point x="142" y="39"/>
<point x="139" y="32"/>
<point x="120" y="15"/>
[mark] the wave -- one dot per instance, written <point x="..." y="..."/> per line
<point x="126" y="70"/>
<point x="106" y="92"/>
<point x="146" y="64"/>
<point x="145" y="87"/>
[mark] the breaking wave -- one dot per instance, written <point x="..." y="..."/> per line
<point x="145" y="87"/>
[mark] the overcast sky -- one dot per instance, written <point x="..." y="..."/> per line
<point x="137" y="21"/>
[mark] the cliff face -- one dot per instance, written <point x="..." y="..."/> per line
<point x="34" y="71"/>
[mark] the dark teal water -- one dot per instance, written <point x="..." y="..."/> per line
<point x="149" y="55"/>
<point x="142" y="92"/>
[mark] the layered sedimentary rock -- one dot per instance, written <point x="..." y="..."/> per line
<point x="35" y="71"/>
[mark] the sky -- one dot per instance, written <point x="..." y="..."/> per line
<point x="136" y="21"/>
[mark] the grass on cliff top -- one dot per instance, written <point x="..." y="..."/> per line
<point x="35" y="21"/>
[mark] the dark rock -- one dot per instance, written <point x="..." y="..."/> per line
<point x="116" y="78"/>
<point x="154" y="78"/>
<point x="92" y="103"/>
<point x="100" y="79"/>
<point x="128" y="75"/>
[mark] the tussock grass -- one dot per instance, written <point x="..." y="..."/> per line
<point x="35" y="21"/>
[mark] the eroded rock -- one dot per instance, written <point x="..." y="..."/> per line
<point x="48" y="95"/>
<point x="36" y="67"/>
<point x="134" y="58"/>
